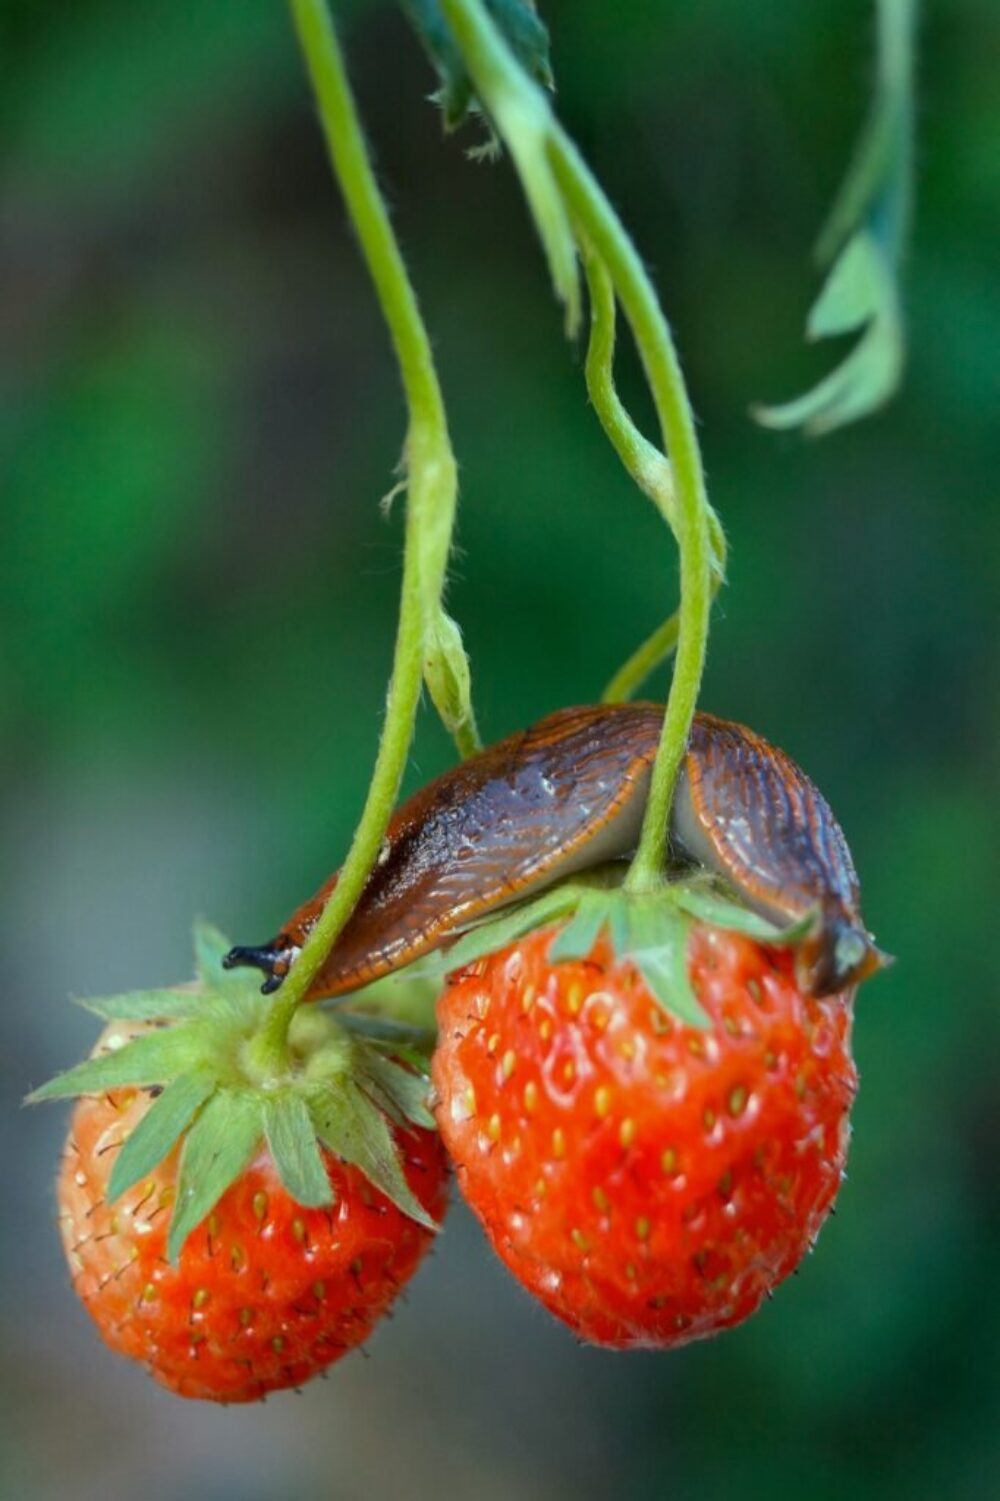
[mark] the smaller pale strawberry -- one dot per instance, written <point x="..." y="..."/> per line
<point x="237" y="1233"/>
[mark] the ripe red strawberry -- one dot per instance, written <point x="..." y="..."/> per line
<point x="265" y="1293"/>
<point x="238" y="1216"/>
<point x="648" y="1180"/>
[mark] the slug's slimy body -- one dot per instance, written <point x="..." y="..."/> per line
<point x="568" y="795"/>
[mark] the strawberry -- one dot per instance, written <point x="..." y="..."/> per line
<point x="236" y="1233"/>
<point x="648" y="1174"/>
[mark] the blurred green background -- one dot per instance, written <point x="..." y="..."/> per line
<point x="199" y="415"/>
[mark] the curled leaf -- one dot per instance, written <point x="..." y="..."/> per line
<point x="862" y="243"/>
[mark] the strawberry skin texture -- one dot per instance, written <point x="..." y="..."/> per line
<point x="647" y="1181"/>
<point x="265" y="1293"/>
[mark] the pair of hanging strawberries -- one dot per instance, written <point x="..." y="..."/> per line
<point x="645" y="1095"/>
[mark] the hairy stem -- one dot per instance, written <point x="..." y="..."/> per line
<point x="431" y="498"/>
<point x="554" y="172"/>
<point x="639" y="302"/>
<point x="644" y="462"/>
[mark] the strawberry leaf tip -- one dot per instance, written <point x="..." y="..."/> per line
<point x="348" y="1083"/>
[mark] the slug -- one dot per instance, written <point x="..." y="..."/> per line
<point x="568" y="795"/>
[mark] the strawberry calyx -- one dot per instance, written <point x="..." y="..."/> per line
<point x="650" y="928"/>
<point x="346" y="1082"/>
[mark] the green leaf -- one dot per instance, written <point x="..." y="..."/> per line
<point x="145" y="1005"/>
<point x="400" y="1093"/>
<point x="159" y="1130"/>
<point x="220" y="1145"/>
<point x="291" y="1140"/>
<point x="851" y="293"/>
<point x="870" y="373"/>
<point x="863" y="239"/>
<point x="417" y="1058"/>
<point x="350" y="1125"/>
<point x="152" y="1058"/>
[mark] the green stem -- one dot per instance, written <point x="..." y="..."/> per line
<point x="639" y="302"/>
<point x="512" y="98"/>
<point x="348" y="153"/>
<point x="429" y="462"/>
<point x="644" y="462"/>
<point x="431" y="498"/>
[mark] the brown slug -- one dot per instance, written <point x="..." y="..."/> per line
<point x="568" y="795"/>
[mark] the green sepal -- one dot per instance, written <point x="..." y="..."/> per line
<point x="159" y="1130"/>
<point x="210" y="948"/>
<point x="521" y="27"/>
<point x="153" y="1058"/>
<point x="291" y="1140"/>
<point x="657" y="945"/>
<point x="400" y="1094"/>
<point x="403" y="1038"/>
<point x="145" y="1005"/>
<point x="648" y="930"/>
<point x="651" y="930"/>
<point x="578" y="937"/>
<point x="500" y="932"/>
<point x="708" y="906"/>
<point x="365" y="1071"/>
<point x="354" y="1129"/>
<point x="217" y="1149"/>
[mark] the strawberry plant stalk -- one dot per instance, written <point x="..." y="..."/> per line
<point x="565" y="197"/>
<point x="647" y="466"/>
<point x="428" y="645"/>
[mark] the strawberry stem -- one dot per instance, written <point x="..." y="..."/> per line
<point x="646" y="465"/>
<point x="571" y="208"/>
<point x="428" y="644"/>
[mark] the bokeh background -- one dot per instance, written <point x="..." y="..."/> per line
<point x="199" y="415"/>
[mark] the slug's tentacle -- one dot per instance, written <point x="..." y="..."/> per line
<point x="568" y="795"/>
